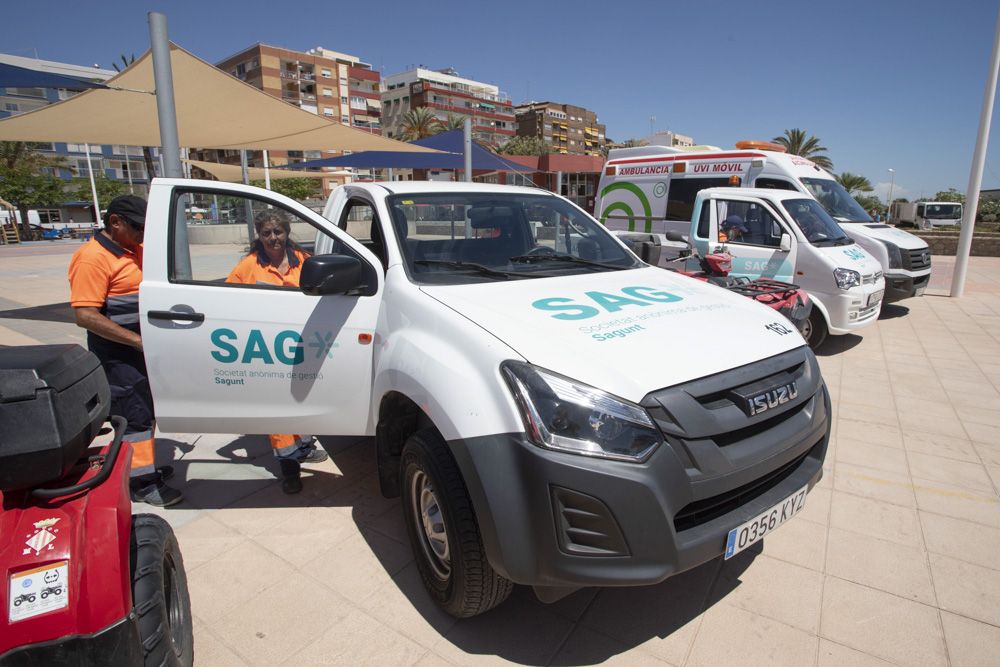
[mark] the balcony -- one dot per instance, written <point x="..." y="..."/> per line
<point x="285" y="74"/>
<point x="501" y="98"/>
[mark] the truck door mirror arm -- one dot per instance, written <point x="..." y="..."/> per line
<point x="331" y="274"/>
<point x="786" y="242"/>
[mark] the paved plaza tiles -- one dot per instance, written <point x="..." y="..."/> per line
<point x="893" y="560"/>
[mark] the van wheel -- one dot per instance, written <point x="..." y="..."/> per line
<point x="814" y="329"/>
<point x="160" y="594"/>
<point x="444" y="533"/>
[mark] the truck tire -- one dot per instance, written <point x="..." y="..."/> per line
<point x="444" y="533"/>
<point x="159" y="594"/>
<point x="814" y="330"/>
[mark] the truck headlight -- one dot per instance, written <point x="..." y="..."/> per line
<point x="569" y="416"/>
<point x="895" y="257"/>
<point x="846" y="278"/>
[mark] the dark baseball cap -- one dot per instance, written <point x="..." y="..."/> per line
<point x="130" y="207"/>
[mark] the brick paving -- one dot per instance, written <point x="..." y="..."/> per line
<point x="893" y="559"/>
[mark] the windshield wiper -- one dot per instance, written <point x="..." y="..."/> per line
<point x="566" y="258"/>
<point x="479" y="268"/>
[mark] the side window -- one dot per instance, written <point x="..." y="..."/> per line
<point x="747" y="223"/>
<point x="682" y="193"/>
<point x="237" y="241"/>
<point x="361" y="222"/>
<point x="704" y="220"/>
<point x="774" y="184"/>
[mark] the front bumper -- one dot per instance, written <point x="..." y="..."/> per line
<point x="848" y="311"/>
<point x="553" y="519"/>
<point x="118" y="644"/>
<point x="902" y="286"/>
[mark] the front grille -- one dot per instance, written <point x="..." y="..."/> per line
<point x="871" y="278"/>
<point x="701" y="511"/>
<point x="916" y="260"/>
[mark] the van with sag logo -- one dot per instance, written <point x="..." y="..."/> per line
<point x="786" y="236"/>
<point x="551" y="410"/>
<point x="653" y="189"/>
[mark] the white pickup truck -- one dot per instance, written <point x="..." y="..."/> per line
<point x="553" y="411"/>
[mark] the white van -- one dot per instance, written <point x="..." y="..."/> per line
<point x="788" y="236"/>
<point x="552" y="411"/>
<point x="653" y="189"/>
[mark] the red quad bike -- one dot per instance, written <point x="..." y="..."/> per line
<point x="786" y="298"/>
<point x="83" y="581"/>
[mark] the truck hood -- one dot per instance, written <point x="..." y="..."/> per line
<point x="626" y="332"/>
<point x="851" y="257"/>
<point x="877" y="230"/>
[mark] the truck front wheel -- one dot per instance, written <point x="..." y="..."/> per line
<point x="814" y="329"/>
<point x="444" y="533"/>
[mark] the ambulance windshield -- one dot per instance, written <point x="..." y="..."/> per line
<point x="837" y="201"/>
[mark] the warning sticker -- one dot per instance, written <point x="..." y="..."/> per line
<point x="38" y="591"/>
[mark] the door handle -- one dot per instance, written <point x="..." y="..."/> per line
<point x="176" y="316"/>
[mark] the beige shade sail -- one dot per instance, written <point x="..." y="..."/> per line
<point x="214" y="110"/>
<point x="232" y="173"/>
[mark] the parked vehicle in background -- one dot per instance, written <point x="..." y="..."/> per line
<point x="927" y="214"/>
<point x="553" y="411"/>
<point x="653" y="189"/>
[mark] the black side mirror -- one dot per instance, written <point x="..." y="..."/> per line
<point x="675" y="236"/>
<point x="331" y="274"/>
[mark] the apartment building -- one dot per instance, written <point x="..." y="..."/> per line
<point x="324" y="82"/>
<point x="566" y="128"/>
<point x="447" y="94"/>
<point x="115" y="162"/>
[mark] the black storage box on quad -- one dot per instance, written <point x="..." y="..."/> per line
<point x="53" y="401"/>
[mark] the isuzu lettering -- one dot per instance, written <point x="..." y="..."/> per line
<point x="552" y="411"/>
<point x="653" y="189"/>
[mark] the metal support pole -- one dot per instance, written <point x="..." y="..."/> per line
<point x="247" y="204"/>
<point x="128" y="171"/>
<point x="93" y="186"/>
<point x="267" y="171"/>
<point x="892" y="182"/>
<point x="976" y="172"/>
<point x="467" y="130"/>
<point x="166" y="113"/>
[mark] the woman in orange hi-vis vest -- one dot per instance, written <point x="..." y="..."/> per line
<point x="275" y="259"/>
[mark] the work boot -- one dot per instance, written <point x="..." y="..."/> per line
<point x="291" y="475"/>
<point x="151" y="490"/>
<point x="165" y="472"/>
<point x="309" y="452"/>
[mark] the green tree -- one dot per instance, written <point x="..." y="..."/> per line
<point x="854" y="183"/>
<point x="295" y="188"/>
<point x="524" y="146"/>
<point x="454" y="122"/>
<point x="797" y="142"/>
<point x="871" y="203"/>
<point x="951" y="194"/>
<point x="107" y="189"/>
<point x="419" y="123"/>
<point x="28" y="179"/>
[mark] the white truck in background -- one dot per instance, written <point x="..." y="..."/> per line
<point x="927" y="214"/>
<point x="653" y="189"/>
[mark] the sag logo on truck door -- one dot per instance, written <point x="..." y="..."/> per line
<point x="287" y="347"/>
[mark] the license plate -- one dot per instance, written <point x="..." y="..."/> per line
<point x="875" y="297"/>
<point x="756" y="528"/>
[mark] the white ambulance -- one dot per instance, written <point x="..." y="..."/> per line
<point x="553" y="411"/>
<point x="653" y="189"/>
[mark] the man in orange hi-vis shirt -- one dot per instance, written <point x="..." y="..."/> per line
<point x="104" y="277"/>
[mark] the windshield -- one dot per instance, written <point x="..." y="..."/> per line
<point x="465" y="237"/>
<point x="943" y="211"/>
<point x="819" y="228"/>
<point x="837" y="201"/>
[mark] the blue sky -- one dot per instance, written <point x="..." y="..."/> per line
<point x="884" y="84"/>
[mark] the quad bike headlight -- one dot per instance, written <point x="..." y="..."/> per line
<point x="569" y="416"/>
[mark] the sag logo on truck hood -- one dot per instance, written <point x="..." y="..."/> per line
<point x="565" y="308"/>
<point x="856" y="254"/>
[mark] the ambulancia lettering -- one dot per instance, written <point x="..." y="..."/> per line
<point x="772" y="398"/>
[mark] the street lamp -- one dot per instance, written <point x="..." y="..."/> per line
<point x="892" y="182"/>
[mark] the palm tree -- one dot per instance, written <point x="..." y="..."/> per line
<point x="798" y="143"/>
<point x="854" y="183"/>
<point x="419" y="123"/>
<point x="454" y="122"/>
<point x="147" y="155"/>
